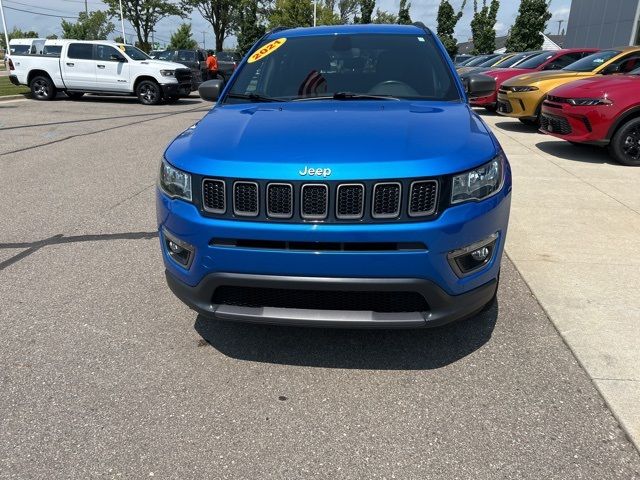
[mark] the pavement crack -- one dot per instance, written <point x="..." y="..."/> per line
<point x="32" y="247"/>
<point x="86" y="134"/>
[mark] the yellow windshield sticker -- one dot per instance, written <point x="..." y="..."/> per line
<point x="267" y="49"/>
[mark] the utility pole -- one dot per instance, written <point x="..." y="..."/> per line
<point x="86" y="8"/>
<point x="153" y="41"/>
<point x="6" y="34"/>
<point x="315" y="12"/>
<point x="204" y="41"/>
<point x="560" y="22"/>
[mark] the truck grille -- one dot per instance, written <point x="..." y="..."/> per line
<point x="183" y="75"/>
<point x="383" y="302"/>
<point x="555" y="124"/>
<point x="403" y="200"/>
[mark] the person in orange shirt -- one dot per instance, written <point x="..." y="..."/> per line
<point x="212" y="66"/>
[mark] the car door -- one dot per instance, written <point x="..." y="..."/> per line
<point x="79" y="67"/>
<point x="112" y="70"/>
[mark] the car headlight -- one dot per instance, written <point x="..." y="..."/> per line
<point x="525" y="88"/>
<point x="167" y="73"/>
<point x="479" y="183"/>
<point x="174" y="182"/>
<point x="588" y="102"/>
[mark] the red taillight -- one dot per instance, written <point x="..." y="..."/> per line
<point x="11" y="67"/>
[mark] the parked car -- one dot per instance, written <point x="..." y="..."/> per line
<point x="521" y="97"/>
<point x="474" y="62"/>
<point x="599" y="111"/>
<point x="462" y="63"/>
<point x="492" y="62"/>
<point x="100" y="67"/>
<point x="227" y="64"/>
<point x="542" y="61"/>
<point x="26" y="46"/>
<point x="298" y="217"/>
<point x="459" y="59"/>
<point x="194" y="59"/>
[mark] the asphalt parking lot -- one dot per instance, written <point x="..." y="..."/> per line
<point x="103" y="373"/>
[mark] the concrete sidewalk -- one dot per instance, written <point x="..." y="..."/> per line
<point x="575" y="238"/>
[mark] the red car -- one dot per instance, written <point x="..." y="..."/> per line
<point x="599" y="111"/>
<point x="544" y="61"/>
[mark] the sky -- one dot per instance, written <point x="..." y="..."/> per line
<point x="41" y="17"/>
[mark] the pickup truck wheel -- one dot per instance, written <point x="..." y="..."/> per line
<point x="42" y="88"/>
<point x="74" y="95"/>
<point x="148" y="92"/>
<point x="625" y="144"/>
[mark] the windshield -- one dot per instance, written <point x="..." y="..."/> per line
<point x="477" y="61"/>
<point x="347" y="66"/>
<point x="513" y="60"/>
<point x="226" y="56"/>
<point x="134" y="53"/>
<point x="635" y="72"/>
<point x="490" y="62"/>
<point x="590" y="63"/>
<point x="19" y="49"/>
<point x="535" y="62"/>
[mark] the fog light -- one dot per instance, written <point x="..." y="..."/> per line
<point x="480" y="254"/>
<point x="178" y="250"/>
<point x="467" y="260"/>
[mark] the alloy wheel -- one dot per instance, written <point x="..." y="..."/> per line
<point x="631" y="144"/>
<point x="41" y="89"/>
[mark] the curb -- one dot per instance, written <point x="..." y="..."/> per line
<point x="13" y="97"/>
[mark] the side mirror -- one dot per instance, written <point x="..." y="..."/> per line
<point x="611" y="69"/>
<point x="478" y="85"/>
<point x="117" y="58"/>
<point x="210" y="90"/>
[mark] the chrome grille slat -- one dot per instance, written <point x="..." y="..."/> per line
<point x="423" y="198"/>
<point x="387" y="198"/>
<point x="280" y="200"/>
<point x="246" y="198"/>
<point x="314" y="201"/>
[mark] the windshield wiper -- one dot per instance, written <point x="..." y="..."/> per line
<point x="254" y="97"/>
<point x="348" y="96"/>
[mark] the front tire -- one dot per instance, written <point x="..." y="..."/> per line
<point x="148" y="92"/>
<point x="625" y="144"/>
<point x="42" y="88"/>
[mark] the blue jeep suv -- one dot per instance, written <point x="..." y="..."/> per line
<point x="341" y="179"/>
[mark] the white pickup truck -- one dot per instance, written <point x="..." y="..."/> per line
<point x="100" y="67"/>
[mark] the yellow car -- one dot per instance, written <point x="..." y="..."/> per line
<point x="521" y="97"/>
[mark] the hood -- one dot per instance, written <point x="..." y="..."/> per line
<point x="627" y="86"/>
<point x="355" y="139"/>
<point x="161" y="64"/>
<point x="548" y="76"/>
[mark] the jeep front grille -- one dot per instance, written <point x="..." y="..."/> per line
<point x="339" y="202"/>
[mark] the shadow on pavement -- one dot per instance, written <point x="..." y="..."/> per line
<point x="517" y="127"/>
<point x="578" y="153"/>
<point x="352" y="349"/>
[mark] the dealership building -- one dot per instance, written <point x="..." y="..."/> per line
<point x="603" y="23"/>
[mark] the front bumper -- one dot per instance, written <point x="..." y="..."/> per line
<point x="518" y="104"/>
<point x="176" y="89"/>
<point x="579" y="124"/>
<point x="14" y="79"/>
<point x="488" y="101"/>
<point x="444" y="308"/>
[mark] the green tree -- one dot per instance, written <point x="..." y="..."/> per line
<point x="94" y="26"/>
<point x="385" y="17"/>
<point x="404" y="18"/>
<point x="250" y="25"/>
<point x="144" y="15"/>
<point x="366" y="11"/>
<point x="17" y="33"/>
<point x="484" y="36"/>
<point x="347" y="10"/>
<point x="526" y="33"/>
<point x="221" y="14"/>
<point x="447" y="21"/>
<point x="53" y="36"/>
<point x="182" y="38"/>
<point x="292" y="13"/>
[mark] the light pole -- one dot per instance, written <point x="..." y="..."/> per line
<point x="6" y="34"/>
<point x="124" y="37"/>
<point x="204" y="41"/>
<point x="315" y="11"/>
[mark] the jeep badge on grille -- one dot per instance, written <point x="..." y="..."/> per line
<point x="317" y="172"/>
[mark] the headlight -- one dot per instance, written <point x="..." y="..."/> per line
<point x="479" y="183"/>
<point x="167" y="73"/>
<point x="174" y="182"/>
<point x="523" y="89"/>
<point x="588" y="102"/>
